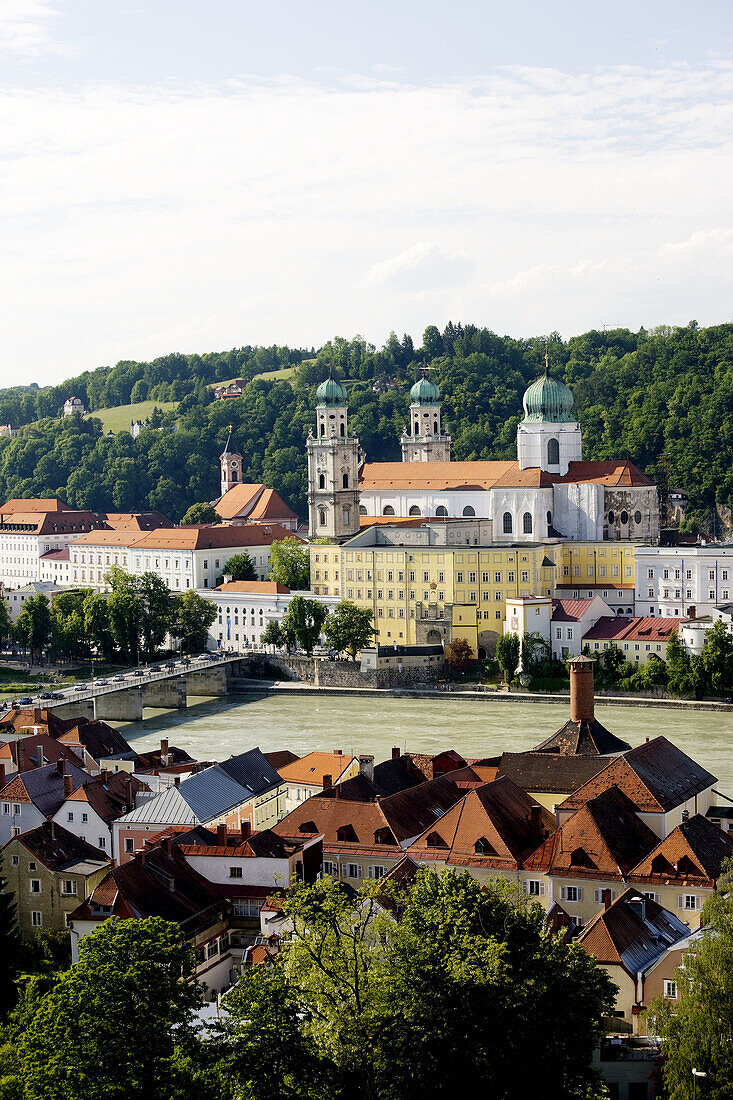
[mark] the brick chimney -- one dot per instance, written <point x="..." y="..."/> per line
<point x="396" y="752"/>
<point x="327" y="782"/>
<point x="164" y="751"/>
<point x="246" y="829"/>
<point x="68" y="786"/>
<point x="581" y="689"/>
<point x="535" y="817"/>
<point x="221" y="835"/>
<point x="52" y="828"/>
<point x="61" y="766"/>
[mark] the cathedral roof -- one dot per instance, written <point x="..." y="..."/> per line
<point x="331" y="394"/>
<point x="548" y="401"/>
<point x="502" y="474"/>
<point x="424" y="392"/>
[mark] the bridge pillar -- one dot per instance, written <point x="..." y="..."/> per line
<point x="83" y="708"/>
<point x="121" y="706"/>
<point x="209" y="681"/>
<point x="166" y="694"/>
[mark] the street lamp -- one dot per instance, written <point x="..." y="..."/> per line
<point x="695" y="1074"/>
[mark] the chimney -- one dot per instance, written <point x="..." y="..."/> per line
<point x="396" y="752"/>
<point x="246" y="829"/>
<point x="164" y="751"/>
<point x="581" y="689"/>
<point x="129" y="796"/>
<point x="339" y="752"/>
<point x="2" y="775"/>
<point x="327" y="782"/>
<point x="366" y="767"/>
<point x="685" y="815"/>
<point x="68" y="786"/>
<point x="606" y="895"/>
<point x="61" y="766"/>
<point x="52" y="828"/>
<point x="221" y="835"/>
<point x="535" y="817"/>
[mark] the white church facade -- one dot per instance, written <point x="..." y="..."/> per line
<point x="549" y="491"/>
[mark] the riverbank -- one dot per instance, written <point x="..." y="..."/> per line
<point x="286" y="687"/>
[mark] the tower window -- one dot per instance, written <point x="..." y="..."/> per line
<point x="322" y="517"/>
<point x="342" y="429"/>
<point x="507" y="524"/>
<point x="415" y="511"/>
<point x="624" y="517"/>
<point x="435" y="427"/>
<point x="323" y="428"/>
<point x="417" y="427"/>
<point x="347" y="516"/>
<point x="527" y="523"/>
<point x="553" y="452"/>
<point x="362" y="510"/>
<point x="234" y="475"/>
<point x="321" y="481"/>
<point x="345" y="481"/>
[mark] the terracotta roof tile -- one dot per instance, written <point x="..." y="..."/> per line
<point x="695" y="850"/>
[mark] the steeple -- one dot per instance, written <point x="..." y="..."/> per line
<point x="334" y="458"/>
<point x="548" y="438"/>
<point x="230" y="462"/>
<point x="424" y="440"/>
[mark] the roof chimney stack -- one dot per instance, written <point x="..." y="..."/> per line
<point x="581" y="689"/>
<point x="61" y="766"/>
<point x="246" y="829"/>
<point x="68" y="786"/>
<point x="327" y="782"/>
<point x="221" y="835"/>
<point x="164" y="751"/>
<point x="396" y="753"/>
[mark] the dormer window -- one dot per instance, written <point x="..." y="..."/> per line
<point x="307" y="827"/>
<point x="435" y="840"/>
<point x="482" y="847"/>
<point x="346" y="832"/>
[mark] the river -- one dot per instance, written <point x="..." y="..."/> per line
<point x="217" y="729"/>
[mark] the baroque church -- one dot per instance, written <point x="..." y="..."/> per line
<point x="547" y="492"/>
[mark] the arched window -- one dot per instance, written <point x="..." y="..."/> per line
<point x="362" y="510"/>
<point x="549" y="519"/>
<point x="321" y="481"/>
<point x="343" y="430"/>
<point x="347" y="516"/>
<point x="417" y="427"/>
<point x="415" y="511"/>
<point x="553" y="452"/>
<point x="435" y="427"/>
<point x="527" y="523"/>
<point x="507" y="524"/>
<point x="611" y="517"/>
<point x="469" y="511"/>
<point x="441" y="510"/>
<point x="321" y="517"/>
<point x="323" y="428"/>
<point x="388" y="510"/>
<point x="624" y="517"/>
<point x="345" y="481"/>
<point x="637" y="517"/>
<point x="234" y="475"/>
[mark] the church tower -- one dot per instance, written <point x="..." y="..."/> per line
<point x="424" y="441"/>
<point x="334" y="458"/>
<point x="230" y="461"/>
<point x="548" y="437"/>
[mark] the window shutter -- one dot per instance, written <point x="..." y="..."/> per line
<point x="563" y="893"/>
<point x="542" y="887"/>
<point x="580" y="893"/>
<point x="699" y="903"/>
<point x="680" y="901"/>
<point x="525" y="887"/>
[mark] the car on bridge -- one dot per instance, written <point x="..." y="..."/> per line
<point x="26" y="701"/>
<point x="101" y="682"/>
<point x="118" y="679"/>
<point x="81" y="687"/>
<point x="138" y="672"/>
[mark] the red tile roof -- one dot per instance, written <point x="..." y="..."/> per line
<point x="648" y="628"/>
<point x="569" y="611"/>
<point x="693" y="852"/>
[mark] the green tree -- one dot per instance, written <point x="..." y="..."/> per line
<point x="612" y="664"/>
<point x="507" y="654"/>
<point x="192" y="617"/>
<point x="156" y="610"/>
<point x="290" y="563"/>
<point x="716" y="659"/>
<point x="6" y="623"/>
<point x="241" y="567"/>
<point x="272" y="634"/>
<point x="304" y="621"/>
<point x="8" y="945"/>
<point x="699" y="1033"/>
<point x="349" y="628"/>
<point x="110" y="1026"/>
<point x="201" y="513"/>
<point x="68" y="624"/>
<point x="125" y="613"/>
<point x="97" y="624"/>
<point x="33" y="627"/>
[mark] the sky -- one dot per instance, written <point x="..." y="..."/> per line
<point x="180" y="175"/>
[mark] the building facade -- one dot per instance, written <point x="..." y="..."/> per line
<point x="245" y="609"/>
<point x="685" y="582"/>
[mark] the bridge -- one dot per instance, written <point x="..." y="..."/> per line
<point x="166" y="689"/>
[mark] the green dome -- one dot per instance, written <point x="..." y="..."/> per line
<point x="424" y="392"/>
<point x="331" y="394"/>
<point x="548" y="401"/>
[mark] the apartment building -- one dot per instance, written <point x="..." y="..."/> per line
<point x="683" y="581"/>
<point x="445" y="580"/>
<point x="244" y="610"/>
<point x="29" y="529"/>
<point x="184" y="557"/>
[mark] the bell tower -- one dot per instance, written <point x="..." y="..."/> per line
<point x="548" y="437"/>
<point x="334" y="458"/>
<point x="424" y="440"/>
<point x="231" y="465"/>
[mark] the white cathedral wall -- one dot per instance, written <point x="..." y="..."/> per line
<point x="578" y="511"/>
<point x="532" y="441"/>
<point x="486" y="504"/>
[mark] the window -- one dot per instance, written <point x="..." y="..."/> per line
<point x="235" y="872"/>
<point x="527" y="523"/>
<point x="507" y="523"/>
<point x="469" y="511"/>
<point x="353" y="870"/>
<point x="571" y="893"/>
<point x="651" y="894"/>
<point x="534" y="887"/>
<point x="670" y="989"/>
<point x="129" y="844"/>
<point x="35" y="886"/>
<point x="441" y="511"/>
<point x="330" y="868"/>
<point x="101" y="842"/>
<point x="68" y="887"/>
<point x="16" y="861"/>
<point x="388" y="510"/>
<point x="212" y="949"/>
<point x="689" y="901"/>
<point x="36" y="919"/>
<point x="624" y="517"/>
<point x="84" y="819"/>
<point x="598" y="895"/>
<point x="553" y="452"/>
<point x="377" y="871"/>
<point x="70" y="815"/>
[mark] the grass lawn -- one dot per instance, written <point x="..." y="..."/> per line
<point x="118" y="419"/>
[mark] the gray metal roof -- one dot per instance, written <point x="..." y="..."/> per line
<point x="252" y="770"/>
<point x="167" y="808"/>
<point x="212" y="793"/>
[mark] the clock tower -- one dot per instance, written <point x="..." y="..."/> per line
<point x="334" y="458"/>
<point x="231" y="465"/>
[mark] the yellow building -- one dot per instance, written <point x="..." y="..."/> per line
<point x="442" y="581"/>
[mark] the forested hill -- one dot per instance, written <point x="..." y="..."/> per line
<point x="637" y="395"/>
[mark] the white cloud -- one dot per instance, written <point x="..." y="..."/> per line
<point x="141" y="220"/>
<point x="25" y="27"/>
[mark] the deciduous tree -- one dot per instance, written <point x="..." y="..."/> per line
<point x="241" y="567"/>
<point x="192" y="617"/>
<point x="201" y="513"/>
<point x="290" y="563"/>
<point x="459" y="655"/>
<point x="33" y="627"/>
<point x="8" y="945"/>
<point x="507" y="654"/>
<point x="304" y="621"/>
<point x="349" y="628"/>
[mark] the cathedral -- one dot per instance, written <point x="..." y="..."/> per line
<point x="547" y="492"/>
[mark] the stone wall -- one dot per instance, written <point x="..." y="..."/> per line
<point x="322" y="673"/>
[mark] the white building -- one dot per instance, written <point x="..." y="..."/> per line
<point x="683" y="581"/>
<point x="30" y="529"/>
<point x="244" y="609"/>
<point x="16" y="599"/>
<point x="184" y="557"/>
<point x="73" y="405"/>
